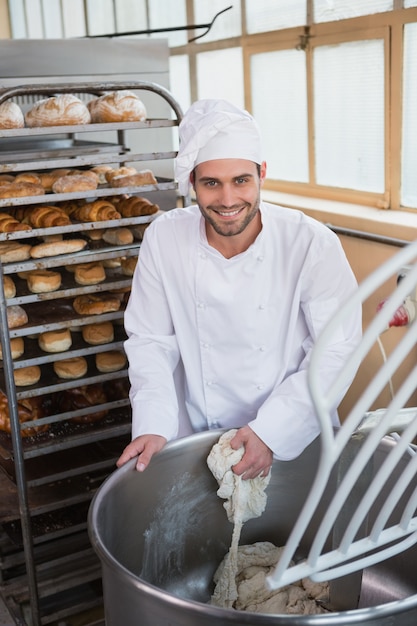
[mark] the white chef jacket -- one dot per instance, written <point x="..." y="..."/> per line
<point x="226" y="342"/>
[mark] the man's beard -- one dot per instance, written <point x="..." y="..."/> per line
<point x="230" y="230"/>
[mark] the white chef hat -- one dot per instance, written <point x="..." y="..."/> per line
<point x="214" y="129"/>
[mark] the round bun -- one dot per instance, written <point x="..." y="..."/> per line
<point x="118" y="106"/>
<point x="74" y="182"/>
<point x="89" y="273"/>
<point x="9" y="287"/>
<point x="16" y="316"/>
<point x="61" y="110"/>
<point x="43" y="281"/>
<point x="27" y="375"/>
<point x="97" y="334"/>
<point x="11" y="115"/>
<point x="55" y="340"/>
<point x="111" y="361"/>
<point x="17" y="348"/>
<point x="96" y="304"/>
<point x="76" y="367"/>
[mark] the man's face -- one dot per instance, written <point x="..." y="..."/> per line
<point x="228" y="193"/>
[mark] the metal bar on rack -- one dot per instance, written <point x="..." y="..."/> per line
<point x="18" y="457"/>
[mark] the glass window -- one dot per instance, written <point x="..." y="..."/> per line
<point x="349" y="115"/>
<point x="163" y="14"/>
<point x="217" y="79"/>
<point x="226" y="25"/>
<point x="264" y="15"/>
<point x="52" y="19"/>
<point x="179" y="78"/>
<point x="409" y="131"/>
<point x="74" y="18"/>
<point x="130" y="15"/>
<point x="331" y="10"/>
<point x="100" y="17"/>
<point x="17" y="19"/>
<point x="410" y="3"/>
<point x="281" y="112"/>
<point x="34" y="19"/>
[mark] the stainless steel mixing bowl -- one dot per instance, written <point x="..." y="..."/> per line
<point x="161" y="534"/>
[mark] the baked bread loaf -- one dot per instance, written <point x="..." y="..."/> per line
<point x="62" y="110"/>
<point x="83" y="397"/>
<point x="74" y="182"/>
<point x="129" y="265"/>
<point x="26" y="376"/>
<point x="55" y="248"/>
<point x="55" y="340"/>
<point x="28" y="177"/>
<point x="43" y="281"/>
<point x="96" y="304"/>
<point x="11" y="115"/>
<point x="118" y="236"/>
<point x="101" y="171"/>
<point x="119" y="171"/>
<point x="110" y="361"/>
<point x="97" y="211"/>
<point x="145" y="177"/>
<point x="136" y="206"/>
<point x="9" y="287"/>
<point x="117" y="106"/>
<point x="98" y="334"/>
<point x="16" y="316"/>
<point x="28" y="409"/>
<point x="75" y="367"/>
<point x="138" y="230"/>
<point x="48" y="178"/>
<point x="46" y="216"/>
<point x="6" y="178"/>
<point x="13" y="252"/>
<point x="9" y="224"/>
<point x="89" y="273"/>
<point x="17" y="348"/>
<point x="20" y="190"/>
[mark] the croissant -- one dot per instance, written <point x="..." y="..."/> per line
<point x="97" y="211"/>
<point x="136" y="206"/>
<point x="45" y="216"/>
<point x="9" y="224"/>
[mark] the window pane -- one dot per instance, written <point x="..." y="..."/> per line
<point x="130" y="15"/>
<point x="74" y="18"/>
<point x="52" y="18"/>
<point x="329" y="10"/>
<point x="410" y="3"/>
<point x="163" y="14"/>
<point x="409" y="132"/>
<point x="17" y="19"/>
<point x="349" y="115"/>
<point x="226" y="25"/>
<point x="100" y="17"/>
<point x="215" y="79"/>
<point x="282" y="114"/>
<point x="264" y="15"/>
<point x="179" y="78"/>
<point x="34" y="19"/>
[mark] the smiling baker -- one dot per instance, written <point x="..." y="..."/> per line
<point x="228" y="298"/>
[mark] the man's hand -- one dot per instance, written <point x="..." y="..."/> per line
<point x="257" y="459"/>
<point x="145" y="446"/>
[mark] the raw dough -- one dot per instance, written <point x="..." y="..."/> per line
<point x="245" y="499"/>
<point x="240" y="579"/>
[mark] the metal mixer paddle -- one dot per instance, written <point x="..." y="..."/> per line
<point x="390" y="532"/>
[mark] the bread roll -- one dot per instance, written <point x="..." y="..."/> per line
<point x="43" y="281"/>
<point x="6" y="178"/>
<point x="138" y="230"/>
<point x="120" y="171"/>
<point x="145" y="177"/>
<point x="118" y="236"/>
<point x="28" y="409"/>
<point x="110" y="361"/>
<point x="118" y="106"/>
<point x="27" y="375"/>
<point x="89" y="273"/>
<point x="11" y="115"/>
<point x="9" y="224"/>
<point x="55" y="248"/>
<point x="17" y="348"/>
<point x="13" y="252"/>
<point x="72" y="183"/>
<point x="98" y="334"/>
<point x="28" y="177"/>
<point x="20" y="190"/>
<point x="64" y="109"/>
<point x="129" y="265"/>
<point x="55" y="340"/>
<point x="95" y="304"/>
<point x="9" y="287"/>
<point x="82" y="397"/>
<point x="16" y="316"/>
<point x="76" y="367"/>
<point x="101" y="171"/>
